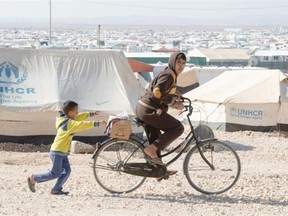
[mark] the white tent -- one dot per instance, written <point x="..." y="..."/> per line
<point x="187" y="80"/>
<point x="243" y="99"/>
<point x="35" y="83"/>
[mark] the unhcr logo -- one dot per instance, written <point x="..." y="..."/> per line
<point x="11" y="74"/>
<point x="246" y="113"/>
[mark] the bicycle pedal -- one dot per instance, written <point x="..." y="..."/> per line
<point x="163" y="177"/>
<point x="166" y="177"/>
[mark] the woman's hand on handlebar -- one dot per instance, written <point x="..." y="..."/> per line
<point x="178" y="105"/>
<point x="178" y="95"/>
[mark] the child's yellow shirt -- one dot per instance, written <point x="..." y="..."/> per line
<point x="66" y="128"/>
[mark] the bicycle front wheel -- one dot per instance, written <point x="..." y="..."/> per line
<point x="108" y="165"/>
<point x="225" y="169"/>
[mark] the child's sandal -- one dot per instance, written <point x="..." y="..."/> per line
<point x="31" y="185"/>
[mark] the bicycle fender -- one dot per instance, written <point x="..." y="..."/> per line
<point x="98" y="145"/>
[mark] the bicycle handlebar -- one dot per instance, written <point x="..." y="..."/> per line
<point x="188" y="107"/>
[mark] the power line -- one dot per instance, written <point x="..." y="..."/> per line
<point x="186" y="8"/>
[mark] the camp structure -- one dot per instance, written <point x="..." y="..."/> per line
<point x="243" y="100"/>
<point x="187" y="80"/>
<point x="218" y="57"/>
<point x="35" y="83"/>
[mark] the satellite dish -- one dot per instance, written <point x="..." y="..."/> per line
<point x="253" y="61"/>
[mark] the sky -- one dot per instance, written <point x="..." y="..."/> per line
<point x="215" y="11"/>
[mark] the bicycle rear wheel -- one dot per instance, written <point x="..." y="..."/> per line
<point x="203" y="178"/>
<point x="108" y="165"/>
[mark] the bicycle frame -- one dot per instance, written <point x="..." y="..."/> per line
<point x="121" y="158"/>
<point x="190" y="137"/>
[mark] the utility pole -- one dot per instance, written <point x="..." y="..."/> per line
<point x="50" y="23"/>
<point x="99" y="43"/>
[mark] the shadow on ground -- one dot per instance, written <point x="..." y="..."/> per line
<point x="238" y="146"/>
<point x="201" y="199"/>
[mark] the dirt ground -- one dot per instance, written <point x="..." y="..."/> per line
<point x="261" y="190"/>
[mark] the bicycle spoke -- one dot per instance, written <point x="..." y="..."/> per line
<point x="105" y="167"/>
<point x="226" y="170"/>
<point x="107" y="159"/>
<point x="117" y="152"/>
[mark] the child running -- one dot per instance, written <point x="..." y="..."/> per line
<point x="67" y="124"/>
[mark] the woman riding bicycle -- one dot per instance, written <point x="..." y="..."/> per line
<point x="153" y="106"/>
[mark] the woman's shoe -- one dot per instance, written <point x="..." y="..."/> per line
<point x="157" y="160"/>
<point x="166" y="176"/>
<point x="154" y="160"/>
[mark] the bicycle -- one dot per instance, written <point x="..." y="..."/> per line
<point x="210" y="166"/>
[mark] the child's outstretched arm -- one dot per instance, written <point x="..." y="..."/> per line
<point x="102" y="123"/>
<point x="99" y="123"/>
<point x="94" y="113"/>
<point x="84" y="115"/>
<point x="77" y="126"/>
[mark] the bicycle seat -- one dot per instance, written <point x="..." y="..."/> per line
<point x="138" y="121"/>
